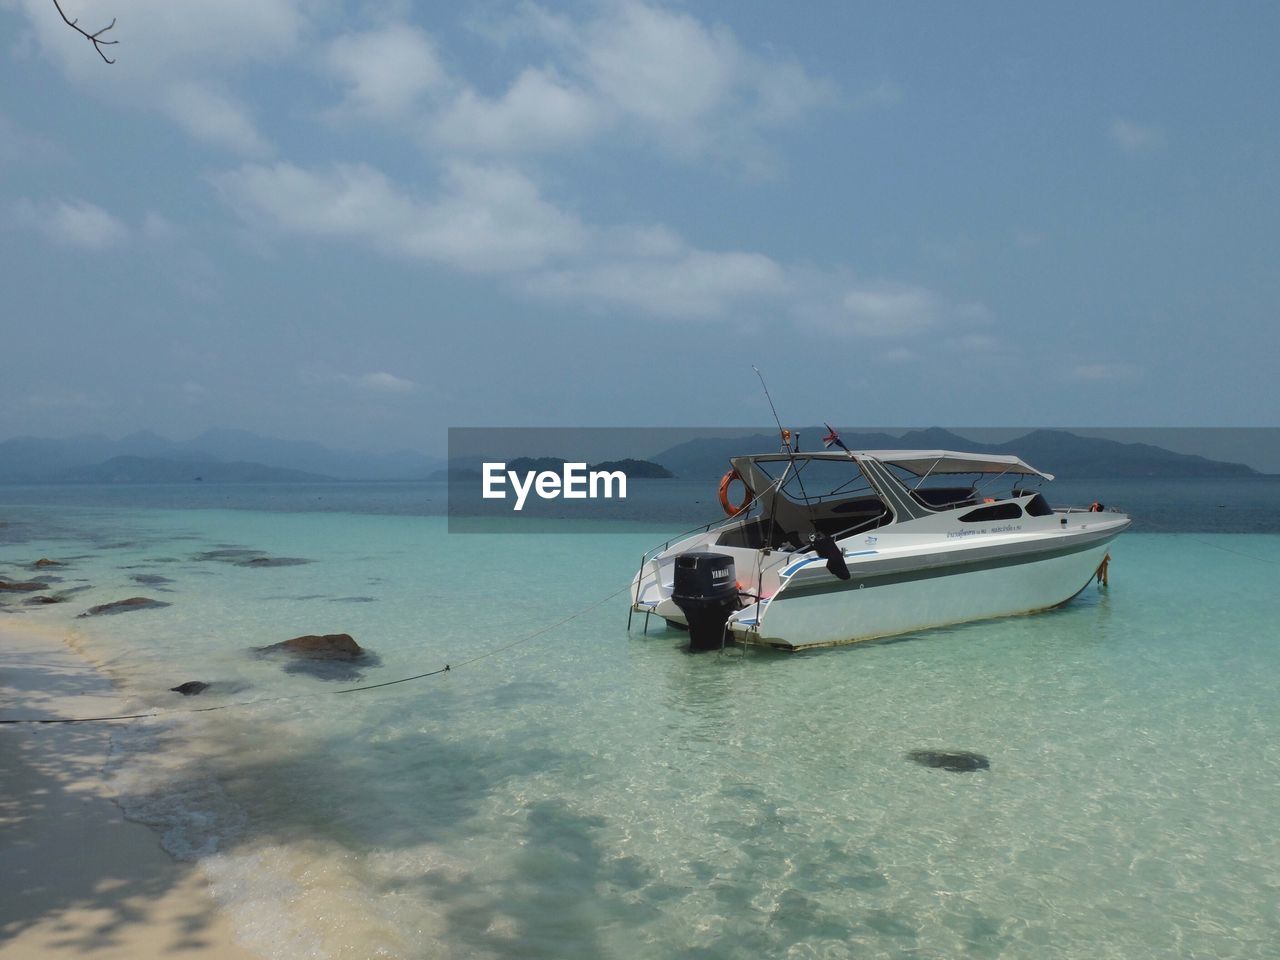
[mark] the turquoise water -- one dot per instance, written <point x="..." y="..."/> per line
<point x="593" y="793"/>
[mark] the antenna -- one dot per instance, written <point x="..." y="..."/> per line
<point x="781" y="431"/>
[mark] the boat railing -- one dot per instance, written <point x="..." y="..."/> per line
<point x="1074" y="509"/>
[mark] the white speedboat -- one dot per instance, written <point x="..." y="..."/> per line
<point x="839" y="546"/>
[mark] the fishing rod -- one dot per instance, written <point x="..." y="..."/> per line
<point x="819" y="542"/>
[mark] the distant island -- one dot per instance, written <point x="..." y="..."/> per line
<point x="238" y="456"/>
<point x="158" y="470"/>
<point x="1060" y="452"/>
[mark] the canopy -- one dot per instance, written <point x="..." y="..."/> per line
<point x="921" y="462"/>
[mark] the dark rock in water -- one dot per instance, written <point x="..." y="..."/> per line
<point x="46" y="562"/>
<point x="249" y="558"/>
<point x="230" y="554"/>
<point x="150" y="579"/>
<point x="45" y="599"/>
<point x="343" y="671"/>
<point x="959" y="761"/>
<point x="123" y="606"/>
<point x="19" y="586"/>
<point x="191" y="688"/>
<point x="330" y="646"/>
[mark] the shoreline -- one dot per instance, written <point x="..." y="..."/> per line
<point x="82" y="880"/>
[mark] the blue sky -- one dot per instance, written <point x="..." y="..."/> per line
<point x="361" y="223"/>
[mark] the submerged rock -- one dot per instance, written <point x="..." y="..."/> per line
<point x="44" y="599"/>
<point x="191" y="688"/>
<point x="958" y="761"/>
<point x="243" y="557"/>
<point x="123" y="606"/>
<point x="20" y="586"/>
<point x="229" y="554"/>
<point x="150" y="579"/>
<point x="329" y="646"/>
<point x="46" y="562"/>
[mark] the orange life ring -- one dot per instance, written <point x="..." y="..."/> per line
<point x="730" y="508"/>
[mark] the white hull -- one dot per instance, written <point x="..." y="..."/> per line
<point x="864" y="610"/>
<point x="860" y="563"/>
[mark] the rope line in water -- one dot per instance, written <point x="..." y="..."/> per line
<point x="1207" y="543"/>
<point x="324" y="693"/>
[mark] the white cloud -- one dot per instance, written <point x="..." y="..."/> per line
<point x="1103" y="371"/>
<point x="538" y="111"/>
<point x="216" y="118"/>
<point x="485" y="219"/>
<point x="20" y="147"/>
<point x="1136" y="138"/>
<point x="160" y="38"/>
<point x="697" y="283"/>
<point x="380" y="382"/>
<point x="192" y="392"/>
<point x="673" y="82"/>
<point x="178" y="58"/>
<point x="73" y="223"/>
<point x="386" y="71"/>
<point x="873" y="311"/>
<point x="898" y="355"/>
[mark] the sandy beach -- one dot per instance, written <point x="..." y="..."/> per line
<point x="80" y="880"/>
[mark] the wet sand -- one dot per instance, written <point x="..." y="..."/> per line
<point x="80" y="880"/>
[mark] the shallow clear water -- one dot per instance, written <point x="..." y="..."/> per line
<point x="594" y="793"/>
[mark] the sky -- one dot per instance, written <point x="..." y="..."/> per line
<point x="362" y="223"/>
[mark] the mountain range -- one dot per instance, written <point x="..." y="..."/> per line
<point x="228" y="455"/>
<point x="1059" y="452"/>
<point x="240" y="456"/>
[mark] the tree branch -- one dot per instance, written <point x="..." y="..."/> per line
<point x="94" y="38"/>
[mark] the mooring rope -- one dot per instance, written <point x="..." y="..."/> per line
<point x="447" y="668"/>
<point x="1206" y="543"/>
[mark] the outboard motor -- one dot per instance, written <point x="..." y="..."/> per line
<point x="706" y="591"/>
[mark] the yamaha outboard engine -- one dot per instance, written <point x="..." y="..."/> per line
<point x="706" y="591"/>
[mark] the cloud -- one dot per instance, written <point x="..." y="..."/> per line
<point x="166" y="39"/>
<point x="662" y="77"/>
<point x="380" y="382"/>
<point x="177" y="58"/>
<point x="1103" y="371"/>
<point x="215" y="118"/>
<point x="485" y="219"/>
<point x="694" y="283"/>
<point x="387" y="71"/>
<point x="73" y="223"/>
<point x="20" y="147"/>
<point x="695" y="83"/>
<point x="877" y="311"/>
<point x="537" y="112"/>
<point x="1136" y="138"/>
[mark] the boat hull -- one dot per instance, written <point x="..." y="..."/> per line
<point x="831" y="612"/>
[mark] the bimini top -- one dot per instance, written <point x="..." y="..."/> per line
<point x="922" y="462"/>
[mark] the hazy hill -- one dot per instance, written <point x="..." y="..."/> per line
<point x="34" y="459"/>
<point x="1059" y="452"/>
<point x="158" y="470"/>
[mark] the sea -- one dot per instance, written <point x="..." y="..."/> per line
<point x="577" y="785"/>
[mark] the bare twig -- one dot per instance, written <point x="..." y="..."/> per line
<point x="95" y="38"/>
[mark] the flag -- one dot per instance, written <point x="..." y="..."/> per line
<point x="832" y="439"/>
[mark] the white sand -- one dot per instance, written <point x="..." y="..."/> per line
<point x="76" y="878"/>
